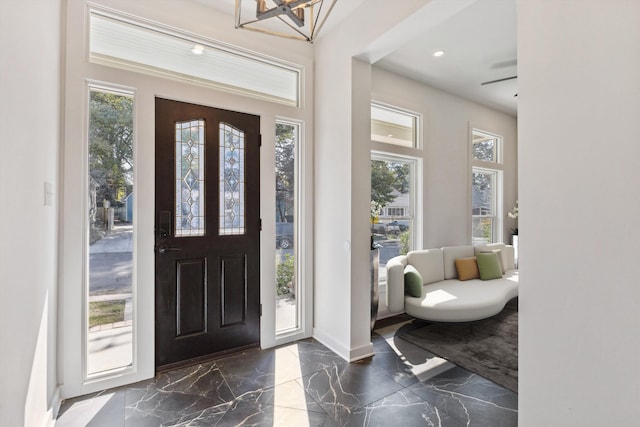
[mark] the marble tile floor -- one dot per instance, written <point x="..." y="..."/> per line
<point x="305" y="384"/>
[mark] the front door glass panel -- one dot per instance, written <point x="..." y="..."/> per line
<point x="232" y="180"/>
<point x="190" y="202"/>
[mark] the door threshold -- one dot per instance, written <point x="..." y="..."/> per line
<point x="205" y="358"/>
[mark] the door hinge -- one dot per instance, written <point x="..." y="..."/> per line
<point x="260" y="225"/>
<point x="260" y="140"/>
<point x="260" y="310"/>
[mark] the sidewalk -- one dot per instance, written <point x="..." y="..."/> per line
<point x="119" y="239"/>
<point x="110" y="345"/>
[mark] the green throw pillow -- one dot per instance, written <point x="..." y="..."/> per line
<point x="489" y="266"/>
<point x="412" y="282"/>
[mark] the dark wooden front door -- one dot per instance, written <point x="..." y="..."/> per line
<point x="207" y="254"/>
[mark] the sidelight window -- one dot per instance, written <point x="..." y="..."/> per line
<point x="110" y="182"/>
<point x="288" y="308"/>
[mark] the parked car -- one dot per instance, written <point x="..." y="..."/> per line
<point x="392" y="227"/>
<point x="378" y="228"/>
<point x="402" y="224"/>
<point x="284" y="235"/>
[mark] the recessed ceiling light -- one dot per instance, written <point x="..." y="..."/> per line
<point x="438" y="53"/>
<point x="198" y="49"/>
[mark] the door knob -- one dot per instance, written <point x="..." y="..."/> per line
<point x="165" y="249"/>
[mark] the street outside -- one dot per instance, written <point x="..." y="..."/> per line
<point x="110" y="345"/>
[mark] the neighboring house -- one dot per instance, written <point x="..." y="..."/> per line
<point x="398" y="209"/>
<point x="128" y="208"/>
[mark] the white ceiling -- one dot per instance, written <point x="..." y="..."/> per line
<point x="479" y="44"/>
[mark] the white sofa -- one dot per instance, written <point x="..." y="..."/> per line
<point x="445" y="298"/>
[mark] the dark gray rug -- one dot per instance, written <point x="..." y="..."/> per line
<point x="486" y="347"/>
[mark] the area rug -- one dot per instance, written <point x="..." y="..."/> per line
<point x="486" y="347"/>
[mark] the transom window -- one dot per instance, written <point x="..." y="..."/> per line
<point x="124" y="43"/>
<point x="486" y="147"/>
<point x="393" y="126"/>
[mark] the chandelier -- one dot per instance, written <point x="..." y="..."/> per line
<point x="296" y="19"/>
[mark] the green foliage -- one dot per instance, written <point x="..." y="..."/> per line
<point x="402" y="172"/>
<point x="383" y="181"/>
<point x="484" y="149"/>
<point x="110" y="142"/>
<point x="284" y="274"/>
<point x="385" y="178"/>
<point x="285" y="150"/>
<point x="104" y="312"/>
<point x="404" y="242"/>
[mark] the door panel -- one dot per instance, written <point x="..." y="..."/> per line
<point x="191" y="298"/>
<point x="207" y="231"/>
<point x="234" y="297"/>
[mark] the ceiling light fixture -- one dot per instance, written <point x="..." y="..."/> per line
<point x="438" y="53"/>
<point x="296" y="19"/>
<point x="198" y="49"/>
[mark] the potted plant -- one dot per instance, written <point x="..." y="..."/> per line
<point x="514" y="214"/>
<point x="514" y="231"/>
<point x="375" y="261"/>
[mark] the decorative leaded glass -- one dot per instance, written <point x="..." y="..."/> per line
<point x="190" y="178"/>
<point x="232" y="180"/>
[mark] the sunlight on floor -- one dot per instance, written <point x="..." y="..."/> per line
<point x="290" y="401"/>
<point x="428" y="368"/>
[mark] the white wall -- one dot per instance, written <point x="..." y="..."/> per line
<point x="30" y="77"/>
<point x="342" y="158"/>
<point x="579" y="104"/>
<point x="342" y="173"/>
<point x="446" y="207"/>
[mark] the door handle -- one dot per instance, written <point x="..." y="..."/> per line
<point x="165" y="249"/>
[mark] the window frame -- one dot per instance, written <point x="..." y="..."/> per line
<point x="389" y="140"/>
<point x="299" y="267"/>
<point x="495" y="167"/>
<point x="131" y="369"/>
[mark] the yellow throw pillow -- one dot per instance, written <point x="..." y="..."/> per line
<point x="467" y="268"/>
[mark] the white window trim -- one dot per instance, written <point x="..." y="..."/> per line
<point x="498" y="167"/>
<point x="303" y="233"/>
<point x="415" y="209"/>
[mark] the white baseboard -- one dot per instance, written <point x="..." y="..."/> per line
<point x="331" y="344"/>
<point x="350" y="355"/>
<point x="54" y="408"/>
<point x="361" y="352"/>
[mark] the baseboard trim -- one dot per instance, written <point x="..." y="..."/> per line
<point x="54" y="407"/>
<point x="361" y="352"/>
<point x="350" y="355"/>
<point x="331" y="344"/>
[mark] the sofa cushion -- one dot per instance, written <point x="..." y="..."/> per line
<point x="450" y="254"/>
<point x="488" y="265"/>
<point x="429" y="264"/>
<point x="492" y="246"/>
<point x="500" y="259"/>
<point x="412" y="282"/>
<point x="395" y="283"/>
<point x="467" y="268"/>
